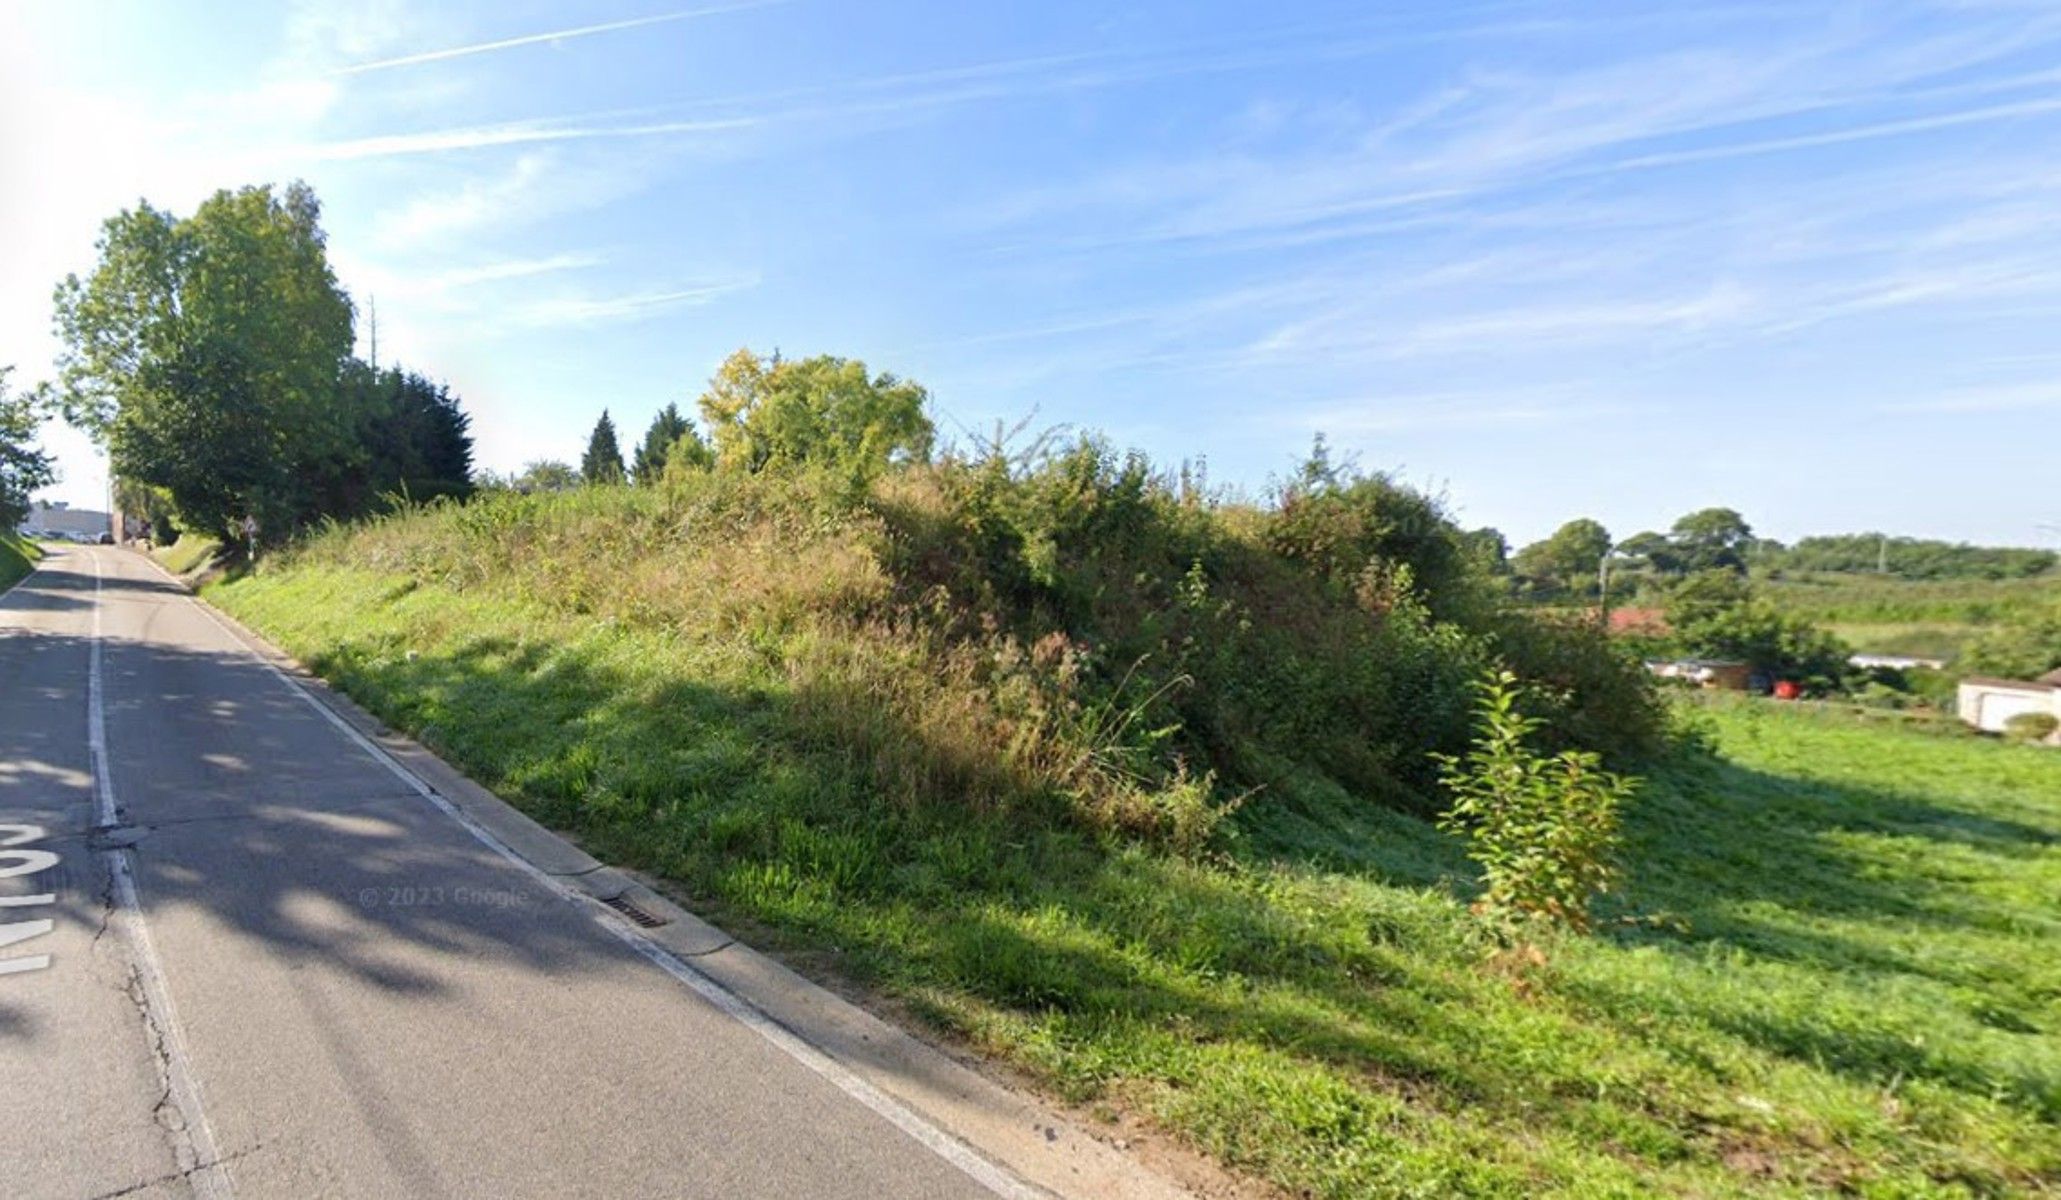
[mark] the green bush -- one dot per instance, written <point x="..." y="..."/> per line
<point x="2025" y="646"/>
<point x="1717" y="614"/>
<point x="2031" y="727"/>
<point x="1543" y="829"/>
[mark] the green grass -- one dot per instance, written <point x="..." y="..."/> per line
<point x="192" y="552"/>
<point x="1835" y="964"/>
<point x="17" y="558"/>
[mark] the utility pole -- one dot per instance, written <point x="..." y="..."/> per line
<point x="1882" y="554"/>
<point x="1603" y="589"/>
<point x="373" y="301"/>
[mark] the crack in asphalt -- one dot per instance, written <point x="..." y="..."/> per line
<point x="107" y="911"/>
<point x="175" y="1176"/>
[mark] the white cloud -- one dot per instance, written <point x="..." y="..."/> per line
<point x="2018" y="397"/>
<point x="581" y="309"/>
<point x="554" y="36"/>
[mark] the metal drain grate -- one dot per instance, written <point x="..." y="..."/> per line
<point x="638" y="917"/>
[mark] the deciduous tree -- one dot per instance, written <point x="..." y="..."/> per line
<point x="1572" y="556"/>
<point x="764" y="412"/>
<point x="1712" y="539"/>
<point x="23" y="467"/>
<point x="206" y="351"/>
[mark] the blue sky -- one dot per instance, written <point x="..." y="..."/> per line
<point x="1552" y="259"/>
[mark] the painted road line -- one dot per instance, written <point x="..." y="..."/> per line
<point x="193" y="1139"/>
<point x="972" y="1163"/>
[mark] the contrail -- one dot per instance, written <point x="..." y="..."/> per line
<point x="531" y="39"/>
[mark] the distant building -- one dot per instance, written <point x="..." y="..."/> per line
<point x="61" y="520"/>
<point x="1988" y="703"/>
<point x="1897" y="662"/>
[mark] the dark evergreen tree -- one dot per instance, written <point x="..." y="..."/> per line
<point x="410" y="440"/>
<point x="666" y="428"/>
<point x="603" y="462"/>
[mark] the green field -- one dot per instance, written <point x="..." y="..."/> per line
<point x="1835" y="965"/>
<point x="1929" y="618"/>
<point x="17" y="559"/>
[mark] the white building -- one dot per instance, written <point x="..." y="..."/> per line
<point x="61" y="520"/>
<point x="1988" y="703"/>
<point x="1897" y="662"/>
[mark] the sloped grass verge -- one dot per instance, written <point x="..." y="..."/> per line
<point x="17" y="559"/>
<point x="1837" y="965"/>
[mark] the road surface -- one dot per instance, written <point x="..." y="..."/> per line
<point x="271" y="969"/>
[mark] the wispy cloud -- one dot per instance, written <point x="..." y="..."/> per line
<point x="514" y="133"/>
<point x="556" y="35"/>
<point x="2038" y="395"/>
<point x="582" y="310"/>
<point x="494" y="198"/>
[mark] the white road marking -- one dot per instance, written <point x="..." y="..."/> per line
<point x="194" y="1143"/>
<point x="989" y="1175"/>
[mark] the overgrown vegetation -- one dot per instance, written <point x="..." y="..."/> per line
<point x="1133" y="788"/>
<point x="1070" y="629"/>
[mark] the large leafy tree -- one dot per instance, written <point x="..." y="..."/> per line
<point x="1653" y="551"/>
<point x="23" y="467"/>
<point x="206" y="352"/>
<point x="1712" y="539"/>
<point x="603" y="462"/>
<point x="765" y="412"/>
<point x="1572" y="556"/>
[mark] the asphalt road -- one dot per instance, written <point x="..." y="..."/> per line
<point x="273" y="970"/>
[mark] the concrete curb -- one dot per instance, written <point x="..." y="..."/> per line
<point x="1045" y="1149"/>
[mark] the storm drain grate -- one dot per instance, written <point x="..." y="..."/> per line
<point x="638" y="916"/>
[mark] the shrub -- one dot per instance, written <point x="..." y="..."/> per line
<point x="1716" y="614"/>
<point x="1542" y="828"/>
<point x="2025" y="646"/>
<point x="2031" y="727"/>
<point x="1066" y="630"/>
<point x="1591" y="688"/>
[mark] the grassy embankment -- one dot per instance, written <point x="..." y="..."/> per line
<point x="1835" y="963"/>
<point x="190" y="553"/>
<point x="17" y="559"/>
<point x="1930" y="618"/>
